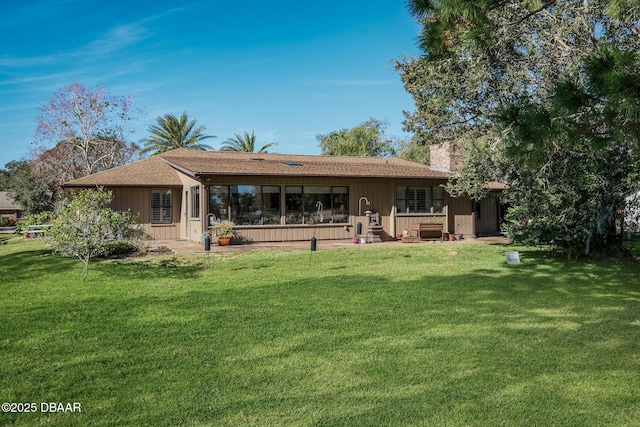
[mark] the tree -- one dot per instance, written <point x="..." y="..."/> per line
<point x="4" y="180"/>
<point x="87" y="129"/>
<point x="245" y="143"/>
<point x="33" y="192"/>
<point x="573" y="160"/>
<point x="86" y="226"/>
<point x="480" y="54"/>
<point x="493" y="79"/>
<point x="366" y="139"/>
<point x="172" y="132"/>
<point x="408" y="149"/>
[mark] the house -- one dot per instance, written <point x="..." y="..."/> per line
<point x="283" y="197"/>
<point x="10" y="210"/>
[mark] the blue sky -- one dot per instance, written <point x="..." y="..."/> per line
<point x="288" y="70"/>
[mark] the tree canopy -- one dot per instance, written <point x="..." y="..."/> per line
<point x="366" y="139"/>
<point x="172" y="132"/>
<point x="90" y="129"/>
<point x="573" y="160"/>
<point x="542" y="95"/>
<point x="80" y="131"/>
<point x="479" y="54"/>
<point x="33" y="192"/>
<point x="244" y="143"/>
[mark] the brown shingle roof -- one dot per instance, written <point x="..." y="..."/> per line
<point x="160" y="170"/>
<point x="7" y="202"/>
<point x="258" y="164"/>
<point x="149" y="172"/>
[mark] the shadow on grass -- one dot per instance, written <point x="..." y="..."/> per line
<point x="168" y="266"/>
<point x="28" y="263"/>
<point x="546" y="342"/>
<point x="32" y="262"/>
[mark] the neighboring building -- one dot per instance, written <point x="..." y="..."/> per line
<point x="10" y="210"/>
<point x="278" y="197"/>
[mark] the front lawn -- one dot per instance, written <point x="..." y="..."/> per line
<point x="424" y="335"/>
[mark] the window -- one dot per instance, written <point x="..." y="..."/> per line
<point x="316" y="204"/>
<point x="246" y="204"/>
<point x="195" y="202"/>
<point x="161" y="207"/>
<point x="419" y="199"/>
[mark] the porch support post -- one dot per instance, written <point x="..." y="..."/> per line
<point x="473" y="218"/>
<point x="473" y="224"/>
<point x="392" y="222"/>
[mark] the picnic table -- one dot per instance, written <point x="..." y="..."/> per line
<point x="36" y="230"/>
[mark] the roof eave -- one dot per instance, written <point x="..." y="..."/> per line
<point x="152" y="185"/>
<point x="316" y="175"/>
<point x="182" y="169"/>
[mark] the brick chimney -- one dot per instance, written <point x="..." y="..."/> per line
<point x="445" y="157"/>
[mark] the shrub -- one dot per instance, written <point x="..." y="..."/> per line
<point x="46" y="217"/>
<point x="86" y="227"/>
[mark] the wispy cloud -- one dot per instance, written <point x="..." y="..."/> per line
<point x="127" y="35"/>
<point x="36" y="78"/>
<point x="7" y="61"/>
<point x="114" y="39"/>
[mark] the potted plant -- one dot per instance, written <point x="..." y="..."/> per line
<point x="225" y="232"/>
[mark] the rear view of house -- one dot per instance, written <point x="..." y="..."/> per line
<point x="275" y="197"/>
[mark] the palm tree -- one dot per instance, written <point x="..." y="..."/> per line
<point x="245" y="143"/>
<point x="174" y="132"/>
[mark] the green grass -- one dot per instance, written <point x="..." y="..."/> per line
<point x="416" y="335"/>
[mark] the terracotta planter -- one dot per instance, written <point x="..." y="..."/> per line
<point x="224" y="240"/>
<point x="452" y="237"/>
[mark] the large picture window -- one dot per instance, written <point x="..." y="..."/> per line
<point x="420" y="199"/>
<point x="246" y="204"/>
<point x="316" y="204"/>
<point x="161" y="207"/>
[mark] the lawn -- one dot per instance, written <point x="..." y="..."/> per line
<point x="415" y="335"/>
